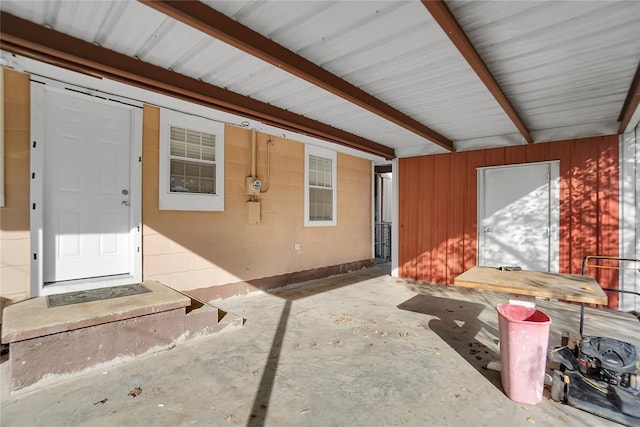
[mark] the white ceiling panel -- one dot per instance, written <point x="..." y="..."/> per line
<point x="393" y="50"/>
<point x="561" y="64"/>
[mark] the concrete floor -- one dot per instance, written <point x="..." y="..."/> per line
<point x="361" y="349"/>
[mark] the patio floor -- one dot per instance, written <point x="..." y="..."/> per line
<point x="360" y="349"/>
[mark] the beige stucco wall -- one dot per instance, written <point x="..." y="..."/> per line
<point x="189" y="250"/>
<point x="14" y="216"/>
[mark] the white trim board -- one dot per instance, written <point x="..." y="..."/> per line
<point x="629" y="218"/>
<point x="395" y="171"/>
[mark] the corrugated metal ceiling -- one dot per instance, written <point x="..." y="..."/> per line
<point x="393" y="50"/>
<point x="561" y="64"/>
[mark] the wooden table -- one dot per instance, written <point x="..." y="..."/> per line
<point x="528" y="283"/>
<point x="568" y="287"/>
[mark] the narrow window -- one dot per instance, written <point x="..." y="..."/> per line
<point x="320" y="186"/>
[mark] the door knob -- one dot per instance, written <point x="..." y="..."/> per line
<point x="124" y="203"/>
<point x="125" y="192"/>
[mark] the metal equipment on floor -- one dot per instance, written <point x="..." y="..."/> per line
<point x="599" y="374"/>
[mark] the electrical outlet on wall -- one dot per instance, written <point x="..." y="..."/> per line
<point x="297" y="247"/>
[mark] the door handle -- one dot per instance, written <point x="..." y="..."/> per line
<point x="124" y="203"/>
<point x="488" y="229"/>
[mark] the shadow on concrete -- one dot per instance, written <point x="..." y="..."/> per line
<point x="292" y="293"/>
<point x="314" y="287"/>
<point x="456" y="322"/>
<point x="263" y="395"/>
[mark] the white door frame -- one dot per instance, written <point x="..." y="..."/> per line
<point x="38" y="112"/>
<point x="629" y="216"/>
<point x="554" y="213"/>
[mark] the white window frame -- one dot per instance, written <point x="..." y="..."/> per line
<point x="312" y="150"/>
<point x="189" y="201"/>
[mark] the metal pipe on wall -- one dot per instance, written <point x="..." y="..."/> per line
<point x="270" y="142"/>
<point x="253" y="153"/>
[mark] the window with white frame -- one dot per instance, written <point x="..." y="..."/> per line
<point x="191" y="162"/>
<point x="320" y="195"/>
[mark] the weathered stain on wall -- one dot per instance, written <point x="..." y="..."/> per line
<point x="14" y="216"/>
<point x="191" y="250"/>
<point x="438" y="206"/>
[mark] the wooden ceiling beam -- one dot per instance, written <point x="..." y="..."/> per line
<point x="452" y="28"/>
<point x="383" y="169"/>
<point x="216" y="24"/>
<point x="30" y="39"/>
<point x="631" y="102"/>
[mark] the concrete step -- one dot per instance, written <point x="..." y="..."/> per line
<point x="59" y="342"/>
<point x="203" y="318"/>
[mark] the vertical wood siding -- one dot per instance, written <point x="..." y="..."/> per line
<point x="438" y="207"/>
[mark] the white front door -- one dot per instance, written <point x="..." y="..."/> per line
<point x="87" y="221"/>
<point x="518" y="211"/>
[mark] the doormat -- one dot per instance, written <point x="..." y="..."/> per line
<point x="96" y="294"/>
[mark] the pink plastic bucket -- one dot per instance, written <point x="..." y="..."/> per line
<point x="524" y="338"/>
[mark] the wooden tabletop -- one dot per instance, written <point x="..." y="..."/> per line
<point x="568" y="287"/>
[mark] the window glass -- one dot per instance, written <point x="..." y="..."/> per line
<point x="197" y="175"/>
<point x="320" y="193"/>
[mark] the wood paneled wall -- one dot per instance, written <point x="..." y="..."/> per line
<point x="438" y="207"/>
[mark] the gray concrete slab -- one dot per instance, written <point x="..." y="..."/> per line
<point x="361" y="349"/>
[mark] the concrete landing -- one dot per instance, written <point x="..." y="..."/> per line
<point x="32" y="318"/>
<point x="360" y="349"/>
<point x="365" y="349"/>
<point x="56" y="342"/>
